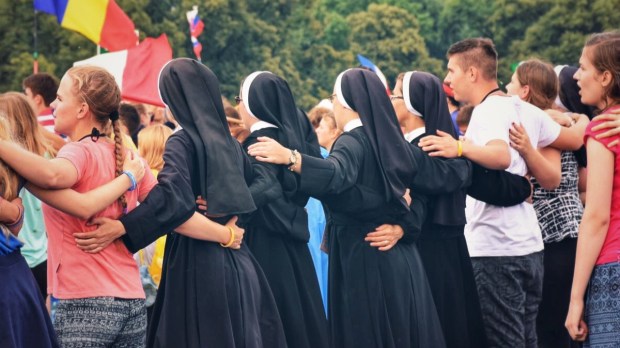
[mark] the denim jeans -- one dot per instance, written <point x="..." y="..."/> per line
<point x="510" y="290"/>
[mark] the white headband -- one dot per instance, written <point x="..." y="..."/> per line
<point x="406" y="95"/>
<point x="245" y="90"/>
<point x="338" y="88"/>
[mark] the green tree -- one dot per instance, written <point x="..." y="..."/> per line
<point x="389" y="36"/>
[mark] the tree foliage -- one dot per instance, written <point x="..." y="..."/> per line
<point x="309" y="42"/>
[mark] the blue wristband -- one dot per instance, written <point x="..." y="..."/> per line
<point x="134" y="184"/>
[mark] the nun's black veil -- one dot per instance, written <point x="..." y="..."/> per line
<point x="364" y="93"/>
<point x="270" y="99"/>
<point x="426" y="95"/>
<point x="569" y="93"/>
<point x="192" y="92"/>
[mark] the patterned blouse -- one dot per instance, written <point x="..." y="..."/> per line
<point x="559" y="211"/>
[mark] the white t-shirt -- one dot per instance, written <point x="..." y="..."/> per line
<point x="506" y="231"/>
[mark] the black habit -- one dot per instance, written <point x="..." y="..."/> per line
<point x="376" y="298"/>
<point x="209" y="296"/>
<point x="277" y="233"/>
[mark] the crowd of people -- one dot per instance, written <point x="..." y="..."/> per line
<point x="435" y="214"/>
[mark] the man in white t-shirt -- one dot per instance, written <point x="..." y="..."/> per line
<point x="505" y="243"/>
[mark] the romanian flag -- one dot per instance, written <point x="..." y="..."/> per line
<point x="101" y="21"/>
<point x="136" y="70"/>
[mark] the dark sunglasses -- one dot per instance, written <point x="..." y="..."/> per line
<point x="238" y="100"/>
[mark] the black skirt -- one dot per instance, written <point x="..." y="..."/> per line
<point x="376" y="298"/>
<point x="443" y="250"/>
<point x="289" y="269"/>
<point x="212" y="296"/>
<point x="24" y="320"/>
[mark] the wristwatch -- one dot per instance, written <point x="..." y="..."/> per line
<point x="293" y="159"/>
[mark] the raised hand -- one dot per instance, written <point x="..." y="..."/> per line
<point x="519" y="140"/>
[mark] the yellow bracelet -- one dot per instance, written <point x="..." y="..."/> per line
<point x="459" y="148"/>
<point x="232" y="238"/>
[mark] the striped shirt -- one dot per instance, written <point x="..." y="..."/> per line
<point x="46" y="119"/>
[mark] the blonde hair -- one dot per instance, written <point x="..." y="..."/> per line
<point x="9" y="181"/>
<point x="151" y="144"/>
<point x="23" y="122"/>
<point x="97" y="88"/>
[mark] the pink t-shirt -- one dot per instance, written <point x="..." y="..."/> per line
<point x="73" y="273"/>
<point x="611" y="247"/>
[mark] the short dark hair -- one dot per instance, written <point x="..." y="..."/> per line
<point x="130" y="117"/>
<point x="478" y="52"/>
<point x="42" y="84"/>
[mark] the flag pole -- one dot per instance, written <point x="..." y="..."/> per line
<point x="35" y="54"/>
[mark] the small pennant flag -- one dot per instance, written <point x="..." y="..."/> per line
<point x="365" y="62"/>
<point x="196" y="25"/>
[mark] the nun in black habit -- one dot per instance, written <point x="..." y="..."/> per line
<point x="210" y="295"/>
<point x="376" y="298"/>
<point x="277" y="233"/>
<point x="442" y="244"/>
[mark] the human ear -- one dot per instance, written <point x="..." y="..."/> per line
<point x="606" y="78"/>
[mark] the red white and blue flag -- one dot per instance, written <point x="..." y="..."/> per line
<point x="196" y="25"/>
<point x="365" y="62"/>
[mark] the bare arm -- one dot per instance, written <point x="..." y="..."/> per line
<point x="592" y="232"/>
<point x="57" y="173"/>
<point x="493" y="155"/>
<point x="85" y="205"/>
<point x="544" y="164"/>
<point x="197" y="227"/>
<point x="203" y="228"/>
<point x="571" y="138"/>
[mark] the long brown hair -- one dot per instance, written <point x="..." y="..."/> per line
<point x="97" y="88"/>
<point x="542" y="81"/>
<point x="9" y="181"/>
<point x="151" y="144"/>
<point x="24" y="124"/>
<point x="604" y="53"/>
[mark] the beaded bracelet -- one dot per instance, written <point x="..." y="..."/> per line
<point x="134" y="183"/>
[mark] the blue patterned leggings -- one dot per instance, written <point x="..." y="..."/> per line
<point x="101" y="322"/>
<point x="602" y="313"/>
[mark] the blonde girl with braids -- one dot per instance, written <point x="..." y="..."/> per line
<point x="100" y="296"/>
<point x="25" y="322"/>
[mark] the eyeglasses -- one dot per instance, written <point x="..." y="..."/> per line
<point x="394" y="97"/>
<point x="238" y="100"/>
<point x="331" y="97"/>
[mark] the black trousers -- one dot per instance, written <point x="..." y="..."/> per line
<point x="557" y="282"/>
<point x="40" y="275"/>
